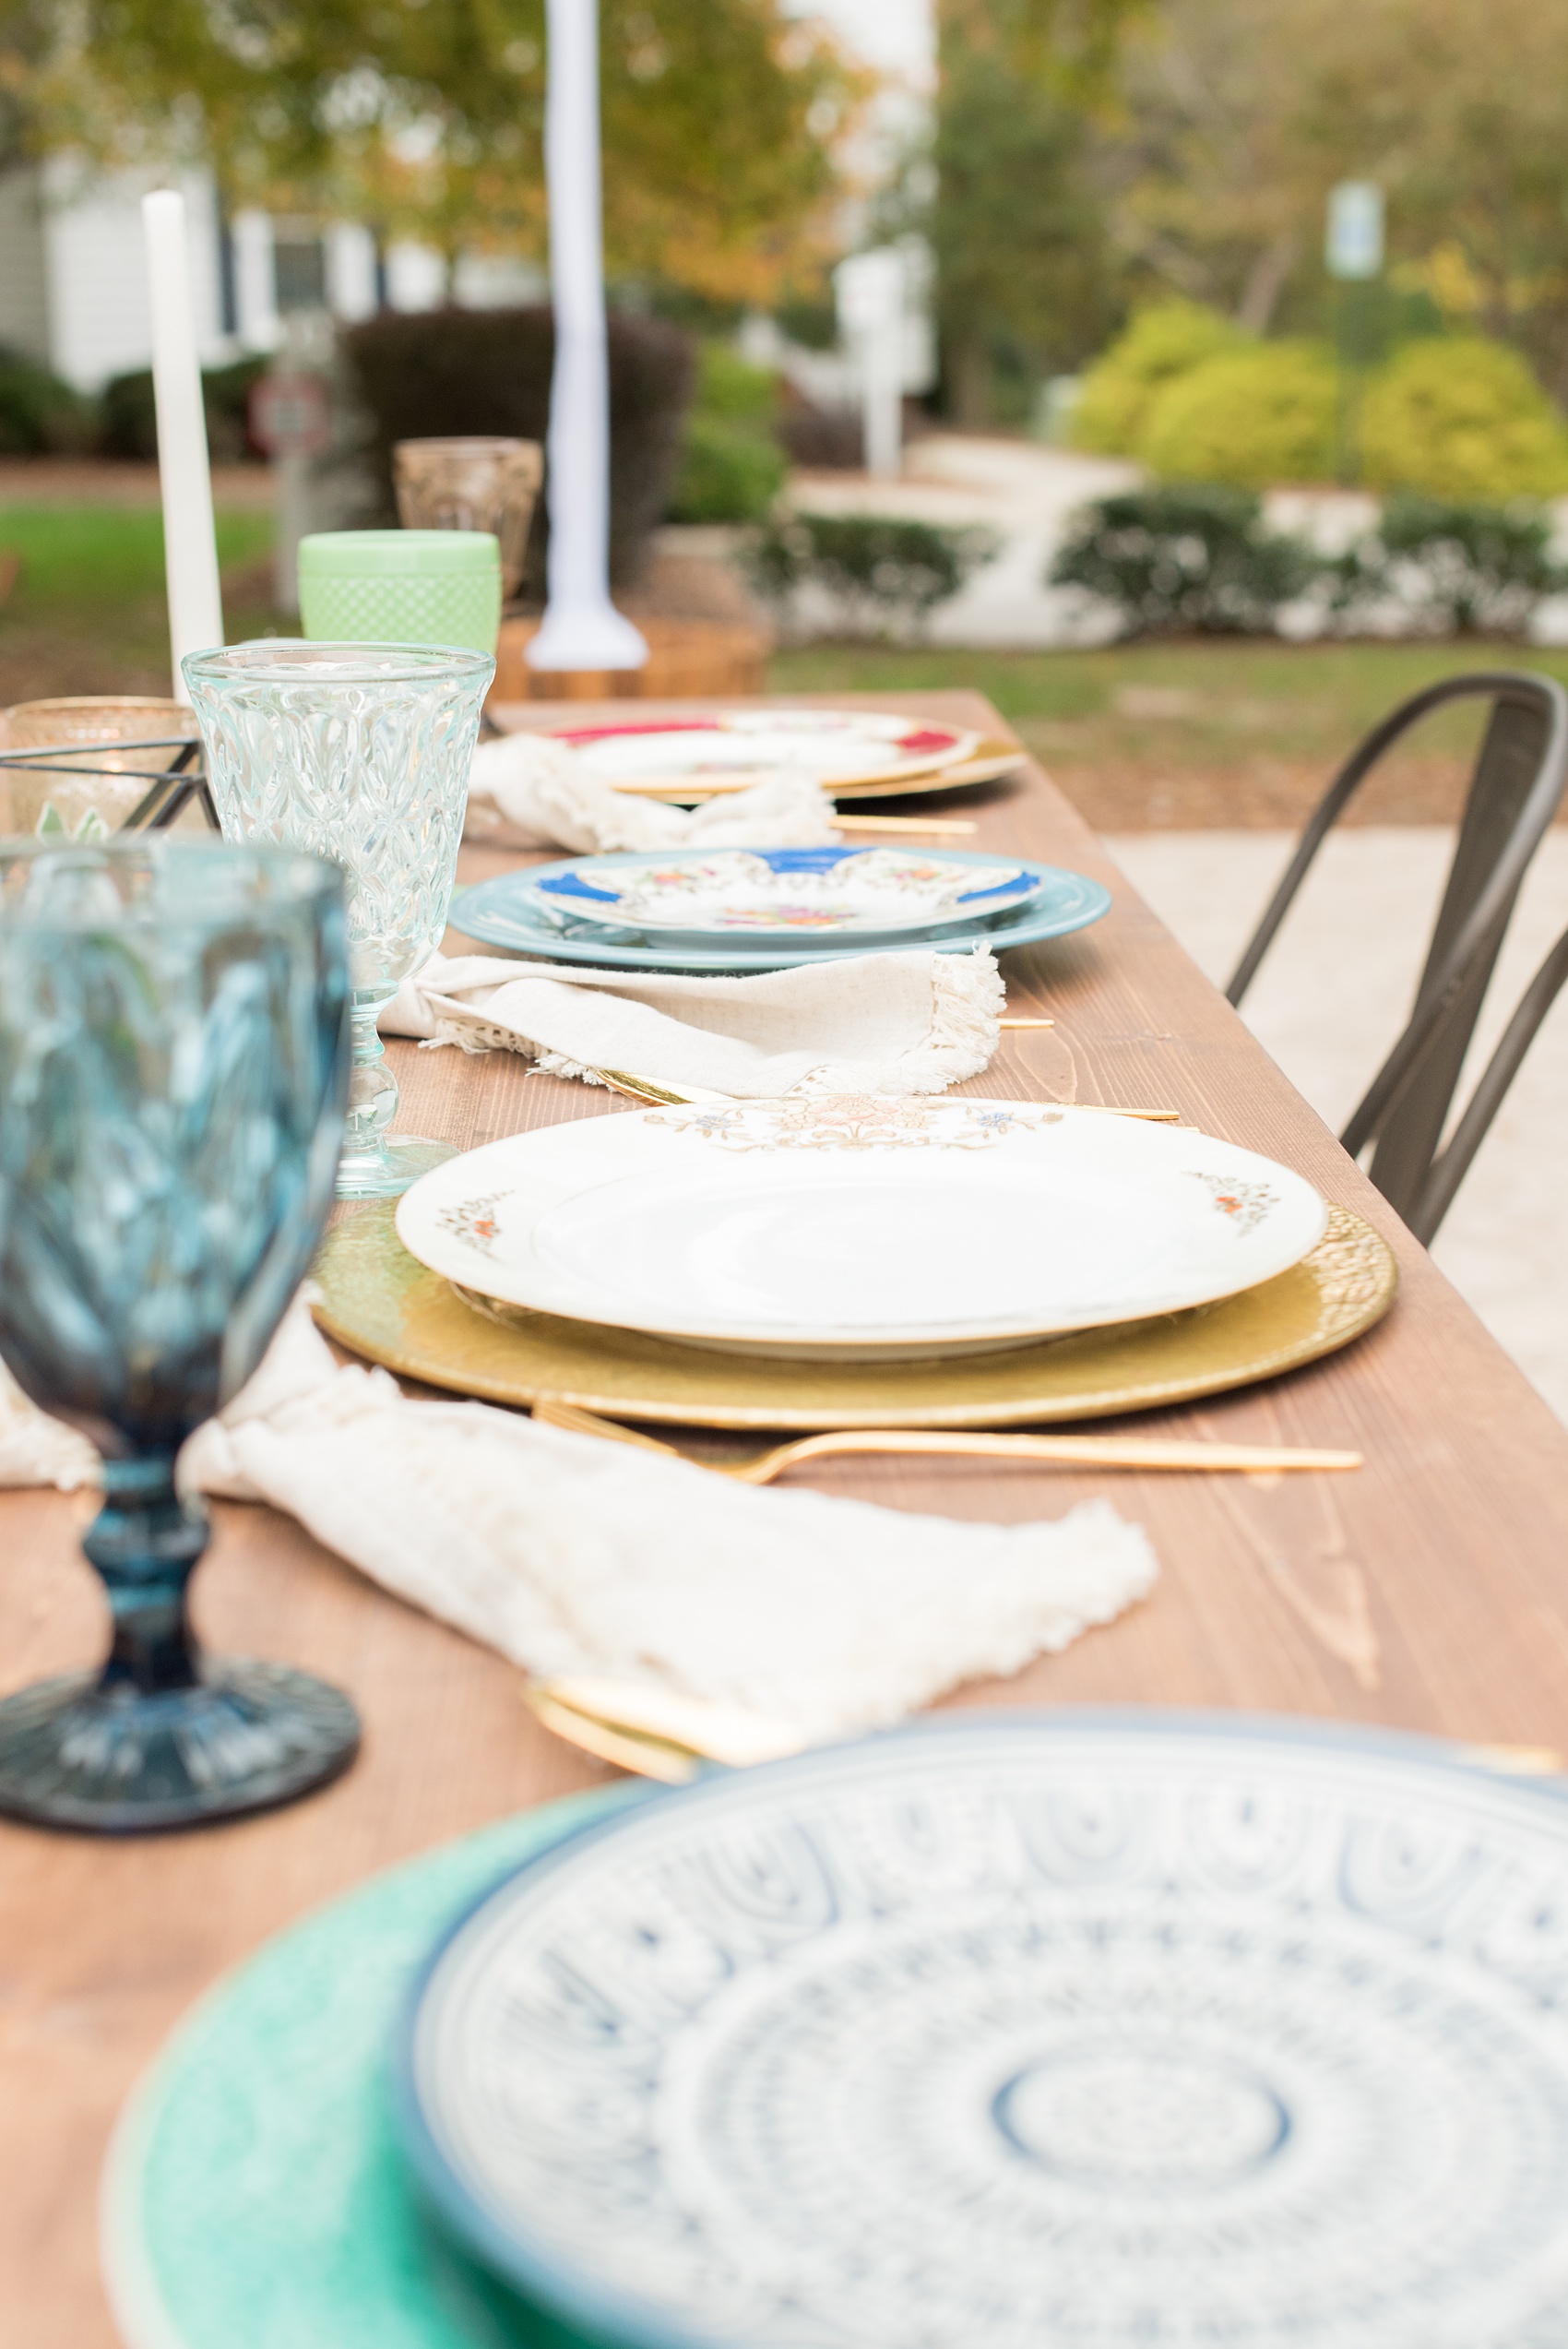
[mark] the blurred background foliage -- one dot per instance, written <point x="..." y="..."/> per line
<point x="1128" y="192"/>
<point x="425" y="117"/>
<point x="1195" y="397"/>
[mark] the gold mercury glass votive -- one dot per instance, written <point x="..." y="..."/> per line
<point x="475" y="483"/>
<point x="99" y="732"/>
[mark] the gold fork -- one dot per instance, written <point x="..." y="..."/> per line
<point x="661" y="1734"/>
<point x="642" y="1089"/>
<point x="1082" y="1451"/>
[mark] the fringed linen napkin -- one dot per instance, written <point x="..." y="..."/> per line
<point x="526" y="792"/>
<point x="876" y="1023"/>
<point x="577" y="1557"/>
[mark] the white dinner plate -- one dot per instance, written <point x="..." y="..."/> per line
<point x="1041" y="2032"/>
<point x="732" y="750"/>
<point x="866" y="1229"/>
<point x="791" y="893"/>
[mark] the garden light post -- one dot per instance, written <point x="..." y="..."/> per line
<point x="1353" y="256"/>
<point x="581" y="628"/>
<point x="869" y="288"/>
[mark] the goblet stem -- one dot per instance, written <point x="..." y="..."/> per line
<point x="145" y="1543"/>
<point x="375" y="1164"/>
<point x="362" y="1170"/>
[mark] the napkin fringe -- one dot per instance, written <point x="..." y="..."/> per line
<point x="968" y="998"/>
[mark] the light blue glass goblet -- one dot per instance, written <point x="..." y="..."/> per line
<point x="360" y="753"/>
<point x="173" y="1057"/>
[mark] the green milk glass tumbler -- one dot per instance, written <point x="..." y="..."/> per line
<point x="401" y="586"/>
<point x="359" y="753"/>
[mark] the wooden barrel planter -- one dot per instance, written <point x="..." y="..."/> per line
<point x="686" y="659"/>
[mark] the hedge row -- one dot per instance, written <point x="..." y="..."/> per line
<point x="1191" y="396"/>
<point x="1197" y="557"/>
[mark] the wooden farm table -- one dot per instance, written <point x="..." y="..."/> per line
<point x="1430" y="1589"/>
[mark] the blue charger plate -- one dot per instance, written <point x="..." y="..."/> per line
<point x="505" y="912"/>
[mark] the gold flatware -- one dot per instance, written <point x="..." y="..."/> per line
<point x="1120" y="1109"/>
<point x="1082" y="1451"/>
<point x="1519" y="1761"/>
<point x="1009" y="1019"/>
<point x="952" y="825"/>
<point x="646" y="1757"/>
<point x="652" y="1096"/>
<point x="732" y="1733"/>
<point x="661" y="1735"/>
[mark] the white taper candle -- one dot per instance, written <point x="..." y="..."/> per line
<point x="582" y="629"/>
<point x="190" y="541"/>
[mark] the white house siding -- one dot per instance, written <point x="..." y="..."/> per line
<point x="96" y="267"/>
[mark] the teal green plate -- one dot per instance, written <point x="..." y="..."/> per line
<point x="255" y="2195"/>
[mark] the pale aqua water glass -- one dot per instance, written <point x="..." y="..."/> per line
<point x="359" y="753"/>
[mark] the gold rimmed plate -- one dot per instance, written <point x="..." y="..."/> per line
<point x="379" y="1301"/>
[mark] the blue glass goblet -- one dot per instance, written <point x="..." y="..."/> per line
<point x="173" y="1062"/>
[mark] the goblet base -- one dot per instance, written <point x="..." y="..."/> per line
<point x="387" y="1173"/>
<point x="109" y="1759"/>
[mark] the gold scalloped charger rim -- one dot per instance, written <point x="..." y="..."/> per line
<point x="378" y="1302"/>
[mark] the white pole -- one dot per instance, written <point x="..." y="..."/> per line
<point x="870" y="291"/>
<point x="582" y="629"/>
<point x="190" y="541"/>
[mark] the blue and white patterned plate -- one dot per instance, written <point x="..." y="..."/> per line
<point x="789" y="895"/>
<point x="1070" y="2032"/>
<point x="513" y="911"/>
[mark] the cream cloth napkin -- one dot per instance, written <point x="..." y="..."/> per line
<point x="572" y="1555"/>
<point x="528" y="792"/>
<point x="877" y="1023"/>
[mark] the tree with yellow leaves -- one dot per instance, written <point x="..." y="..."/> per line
<point x="426" y="117"/>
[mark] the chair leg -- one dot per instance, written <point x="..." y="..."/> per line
<point x="1451" y="1167"/>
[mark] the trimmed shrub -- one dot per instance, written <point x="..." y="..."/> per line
<point x="1452" y="570"/>
<point x="1462" y="418"/>
<point x="732" y="466"/>
<point x="1252" y="418"/>
<point x="1192" y="558"/>
<point x="438" y="372"/>
<point x="883" y="571"/>
<point x="130" y="418"/>
<point x="1161" y="345"/>
<point x="40" y="415"/>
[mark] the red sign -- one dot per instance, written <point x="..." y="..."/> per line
<point x="291" y="415"/>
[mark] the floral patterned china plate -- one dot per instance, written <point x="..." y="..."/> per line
<point x="860" y="1229"/>
<point x="793" y="893"/>
<point x="511" y="911"/>
<point x="728" y="751"/>
<point x="1043" y="2032"/>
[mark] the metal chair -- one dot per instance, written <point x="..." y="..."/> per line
<point x="1514" y="794"/>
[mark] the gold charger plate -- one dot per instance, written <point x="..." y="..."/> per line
<point x="989" y="763"/>
<point x="379" y="1301"/>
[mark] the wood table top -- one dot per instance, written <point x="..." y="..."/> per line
<point x="1429" y="1590"/>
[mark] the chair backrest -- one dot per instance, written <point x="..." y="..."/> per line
<point x="1515" y="791"/>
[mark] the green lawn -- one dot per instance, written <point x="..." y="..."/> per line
<point x="92" y="559"/>
<point x="1203" y="732"/>
<point x="88" y="612"/>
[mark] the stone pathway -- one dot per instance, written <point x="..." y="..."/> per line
<point x="1331" y="998"/>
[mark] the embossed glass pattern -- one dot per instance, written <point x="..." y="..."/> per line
<point x="172" y="1062"/>
<point x="361" y="753"/>
<point x="433" y="586"/>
